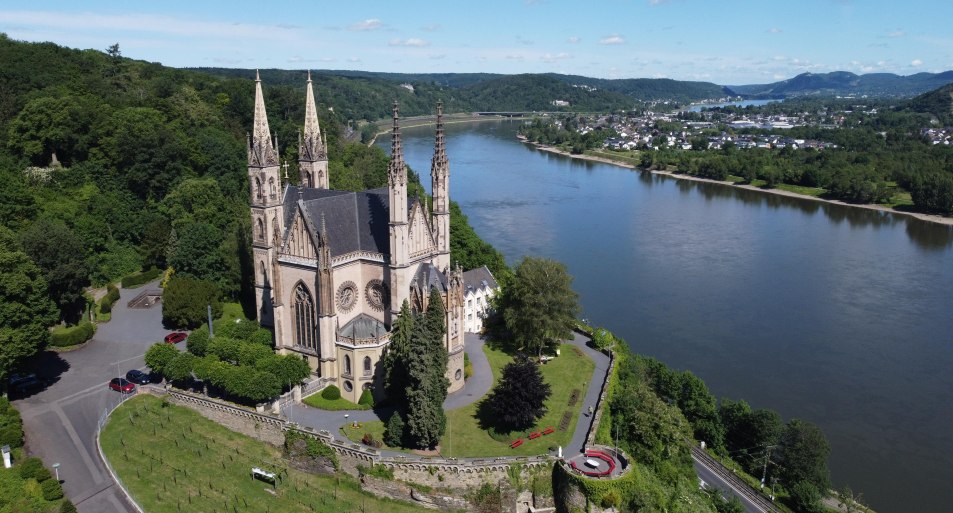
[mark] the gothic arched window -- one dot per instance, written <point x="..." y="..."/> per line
<point x="257" y="188"/>
<point x="261" y="229"/>
<point x="264" y="274"/>
<point x="272" y="188"/>
<point x="347" y="365"/>
<point x="302" y="311"/>
<point x="307" y="179"/>
<point x="367" y="365"/>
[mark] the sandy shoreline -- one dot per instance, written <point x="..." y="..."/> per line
<point x="947" y="221"/>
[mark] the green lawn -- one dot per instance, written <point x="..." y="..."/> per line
<point x="626" y="157"/>
<point x="569" y="371"/>
<point x="232" y="311"/>
<point x="338" y="404"/>
<point x="172" y="459"/>
<point x="800" y="189"/>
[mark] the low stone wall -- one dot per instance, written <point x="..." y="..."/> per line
<point x="600" y="403"/>
<point x="259" y="426"/>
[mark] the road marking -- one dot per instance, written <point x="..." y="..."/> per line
<point x="87" y="459"/>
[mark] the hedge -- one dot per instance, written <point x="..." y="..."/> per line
<point x="65" y="337"/>
<point x="52" y="490"/>
<point x="331" y="393"/>
<point x="106" y="303"/>
<point x="138" y="279"/>
<point x="32" y="468"/>
<point x="11" y="425"/>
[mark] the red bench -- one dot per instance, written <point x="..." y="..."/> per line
<point x="534" y="435"/>
<point x="549" y="431"/>
<point x="600" y="455"/>
<point x="516" y="443"/>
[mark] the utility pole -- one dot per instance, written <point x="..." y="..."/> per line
<point x="767" y="454"/>
<point x="211" y="333"/>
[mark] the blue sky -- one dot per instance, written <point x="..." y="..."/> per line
<point x="725" y="41"/>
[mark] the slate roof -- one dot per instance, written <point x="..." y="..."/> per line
<point x="427" y="277"/>
<point x="478" y="278"/>
<point x="363" y="326"/>
<point x="356" y="221"/>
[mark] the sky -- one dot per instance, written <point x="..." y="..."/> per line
<point x="728" y="42"/>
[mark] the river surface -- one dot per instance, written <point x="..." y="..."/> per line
<point x="742" y="103"/>
<point x="837" y="315"/>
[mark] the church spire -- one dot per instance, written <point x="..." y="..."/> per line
<point x="396" y="171"/>
<point x="262" y="152"/>
<point x="312" y="145"/>
<point x="440" y="186"/>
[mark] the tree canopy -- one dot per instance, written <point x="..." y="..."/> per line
<point x="539" y="305"/>
<point x="519" y="398"/>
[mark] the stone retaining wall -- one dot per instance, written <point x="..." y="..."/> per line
<point x="259" y="426"/>
<point x="600" y="403"/>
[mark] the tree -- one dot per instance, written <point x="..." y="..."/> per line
<point x="519" y="398"/>
<point x="59" y="253"/>
<point x="653" y="432"/>
<point x="159" y="355"/>
<point x="394" y="361"/>
<point x="394" y="433"/>
<point x="198" y="253"/>
<point x="185" y="302"/>
<point x="426" y="380"/>
<point x="26" y="311"/>
<point x="179" y="368"/>
<point x="805" y="498"/>
<point x="803" y="455"/>
<point x="698" y="406"/>
<point x="539" y="306"/>
<point x="288" y="369"/>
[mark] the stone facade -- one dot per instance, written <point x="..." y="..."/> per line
<point x="334" y="267"/>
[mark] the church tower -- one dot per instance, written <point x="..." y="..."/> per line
<point x="440" y="186"/>
<point x="266" y="209"/>
<point x="397" y="196"/>
<point x="312" y="151"/>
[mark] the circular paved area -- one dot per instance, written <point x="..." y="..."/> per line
<point x="595" y="466"/>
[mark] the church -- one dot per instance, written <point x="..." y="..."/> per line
<point x="332" y="268"/>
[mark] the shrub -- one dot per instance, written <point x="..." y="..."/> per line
<point x="106" y="303"/>
<point x="394" y="431"/>
<point x="185" y="301"/>
<point x="138" y="279"/>
<point x="367" y="398"/>
<point x="263" y="337"/>
<point x="67" y="507"/>
<point x="32" y="468"/>
<point x="159" y="355"/>
<point x="377" y="471"/>
<point x="11" y="425"/>
<point x="240" y="329"/>
<point x="51" y="490"/>
<point x="331" y="393"/>
<point x="197" y="342"/>
<point x="369" y="440"/>
<point x="65" y="337"/>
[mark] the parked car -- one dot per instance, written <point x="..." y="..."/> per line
<point x="122" y="385"/>
<point x="138" y="377"/>
<point x="175" y="338"/>
<point x="23" y="383"/>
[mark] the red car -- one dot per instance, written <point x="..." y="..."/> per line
<point x="122" y="385"/>
<point x="175" y="338"/>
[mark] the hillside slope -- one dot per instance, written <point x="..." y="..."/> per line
<point x="844" y="83"/>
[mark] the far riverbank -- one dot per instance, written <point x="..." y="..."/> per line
<point x="384" y="126"/>
<point x="947" y="221"/>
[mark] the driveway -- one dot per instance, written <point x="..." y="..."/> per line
<point x="60" y="421"/>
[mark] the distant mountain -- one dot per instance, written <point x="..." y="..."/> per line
<point x="844" y="83"/>
<point x="651" y="89"/>
<point x="938" y="103"/>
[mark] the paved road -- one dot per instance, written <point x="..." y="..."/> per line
<point x="712" y="475"/>
<point x="60" y="421"/>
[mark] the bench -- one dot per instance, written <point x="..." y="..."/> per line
<point x="516" y="443"/>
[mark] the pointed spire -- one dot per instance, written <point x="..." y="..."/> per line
<point x="312" y="146"/>
<point x="396" y="172"/>
<point x="262" y="152"/>
<point x="439" y="161"/>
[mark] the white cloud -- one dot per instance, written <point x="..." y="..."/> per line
<point x="437" y="56"/>
<point x="896" y="33"/>
<point x="548" y="57"/>
<point x="614" y="39"/>
<point x="433" y="27"/>
<point x="573" y="40"/>
<point x="775" y="30"/>
<point x="370" y="24"/>
<point x="413" y="41"/>
<point x="658" y="2"/>
<point x="916" y="62"/>
<point x="353" y="59"/>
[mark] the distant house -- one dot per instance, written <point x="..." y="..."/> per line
<point x="479" y="286"/>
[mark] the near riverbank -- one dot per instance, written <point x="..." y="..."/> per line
<point x="947" y="221"/>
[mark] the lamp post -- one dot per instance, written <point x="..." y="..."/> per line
<point x="56" y="468"/>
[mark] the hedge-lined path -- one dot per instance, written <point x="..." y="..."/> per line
<point x="60" y="420"/>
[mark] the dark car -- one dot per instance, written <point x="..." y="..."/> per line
<point x="122" y="385"/>
<point x="138" y="377"/>
<point x="175" y="338"/>
<point x="23" y="383"/>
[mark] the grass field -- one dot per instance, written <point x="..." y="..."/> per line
<point x="338" y="404"/>
<point x="172" y="459"/>
<point x="465" y="438"/>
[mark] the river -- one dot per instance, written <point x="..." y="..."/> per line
<point x="836" y="315"/>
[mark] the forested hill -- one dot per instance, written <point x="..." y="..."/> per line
<point x="938" y="103"/>
<point x="844" y="83"/>
<point x="463" y="92"/>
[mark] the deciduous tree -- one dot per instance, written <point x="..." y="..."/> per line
<point x="539" y="306"/>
